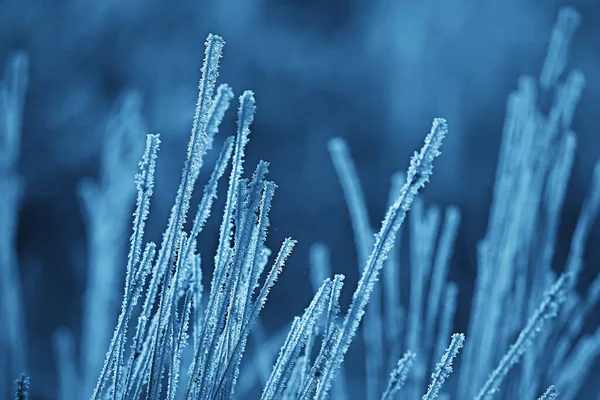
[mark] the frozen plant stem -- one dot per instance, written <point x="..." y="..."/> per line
<point x="363" y="234"/>
<point x="398" y="375"/>
<point x="13" y="88"/>
<point x="550" y="394"/>
<point x="444" y="368"/>
<point x="106" y="208"/>
<point x="546" y="311"/>
<point x="421" y="168"/>
<point x="22" y="388"/>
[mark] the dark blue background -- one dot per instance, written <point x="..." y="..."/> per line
<point x="373" y="72"/>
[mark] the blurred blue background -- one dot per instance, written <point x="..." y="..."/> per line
<point x="375" y="73"/>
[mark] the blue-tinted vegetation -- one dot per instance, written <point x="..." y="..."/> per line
<point x="186" y="315"/>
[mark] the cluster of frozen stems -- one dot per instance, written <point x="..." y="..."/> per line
<point x="173" y="310"/>
<point x="165" y="318"/>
